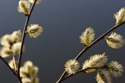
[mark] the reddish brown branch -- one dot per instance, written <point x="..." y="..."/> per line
<point x="23" y="38"/>
<point x="10" y="68"/>
<point x="84" y="71"/>
<point x="86" y="48"/>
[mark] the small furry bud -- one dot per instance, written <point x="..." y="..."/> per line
<point x="72" y="66"/>
<point x="115" y="40"/>
<point x="87" y="36"/>
<point x="120" y="16"/>
<point x="34" y="30"/>
<point x="24" y="6"/>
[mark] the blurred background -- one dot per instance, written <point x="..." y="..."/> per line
<point x="63" y="21"/>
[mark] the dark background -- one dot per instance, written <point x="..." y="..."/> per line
<point x="62" y="22"/>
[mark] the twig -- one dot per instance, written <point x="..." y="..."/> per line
<point x="14" y="62"/>
<point x="86" y="48"/>
<point x="10" y="68"/>
<point x="23" y="37"/>
<point x="84" y="71"/>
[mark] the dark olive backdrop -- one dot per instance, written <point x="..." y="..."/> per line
<point x="62" y="22"/>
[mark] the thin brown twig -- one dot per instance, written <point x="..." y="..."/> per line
<point x="14" y="62"/>
<point x="10" y="68"/>
<point x="86" y="48"/>
<point x="23" y="37"/>
<point x="84" y="71"/>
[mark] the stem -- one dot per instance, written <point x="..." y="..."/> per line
<point x="84" y="71"/>
<point x="10" y="68"/>
<point x="98" y="39"/>
<point x="86" y="48"/>
<point x="14" y="62"/>
<point x="23" y="38"/>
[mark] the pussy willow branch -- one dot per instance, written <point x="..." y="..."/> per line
<point x="84" y="71"/>
<point x="23" y="37"/>
<point x="10" y="68"/>
<point x="86" y="48"/>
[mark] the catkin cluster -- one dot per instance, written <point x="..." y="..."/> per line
<point x="99" y="61"/>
